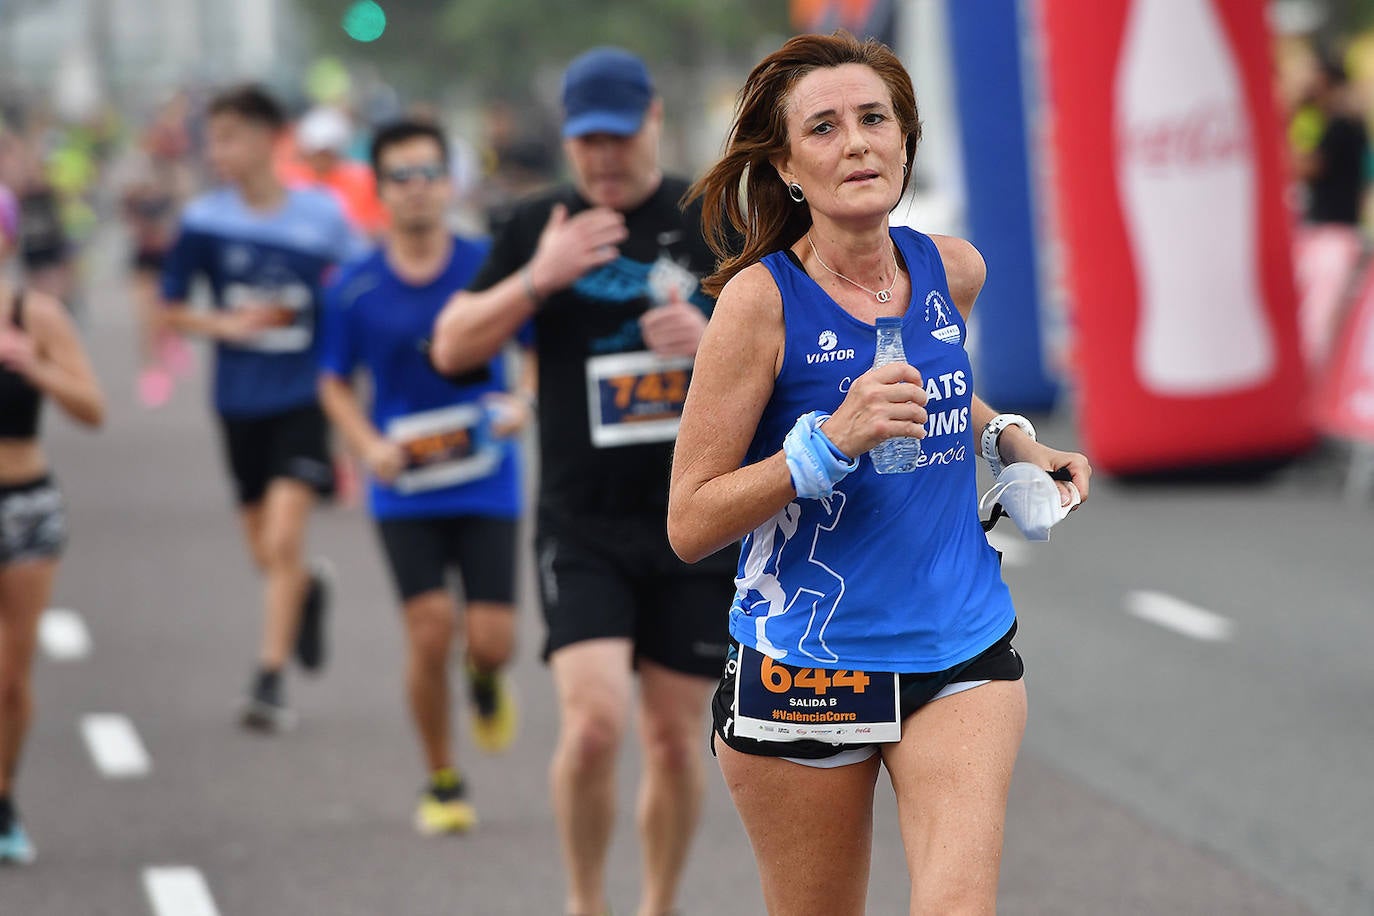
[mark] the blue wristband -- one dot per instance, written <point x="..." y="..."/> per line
<point x="834" y="450"/>
<point x="814" y="462"/>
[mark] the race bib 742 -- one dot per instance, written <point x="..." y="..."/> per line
<point x="634" y="398"/>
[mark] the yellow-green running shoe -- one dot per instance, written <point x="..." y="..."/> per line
<point x="444" y="807"/>
<point x="495" y="715"/>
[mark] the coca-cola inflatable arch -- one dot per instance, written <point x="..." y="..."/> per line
<point x="1169" y="196"/>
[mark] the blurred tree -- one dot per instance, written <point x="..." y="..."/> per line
<point x="1353" y="13"/>
<point x="498" y="47"/>
<point x="1340" y="18"/>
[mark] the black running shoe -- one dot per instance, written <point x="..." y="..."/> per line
<point x="15" y="846"/>
<point x="265" y="708"/>
<point x="310" y="642"/>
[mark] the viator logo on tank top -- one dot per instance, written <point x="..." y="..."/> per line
<point x="828" y="354"/>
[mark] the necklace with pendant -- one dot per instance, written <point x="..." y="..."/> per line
<point x="882" y="295"/>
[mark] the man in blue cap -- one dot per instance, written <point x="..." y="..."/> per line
<point x="607" y="271"/>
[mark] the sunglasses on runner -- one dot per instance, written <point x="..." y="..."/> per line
<point x="429" y="171"/>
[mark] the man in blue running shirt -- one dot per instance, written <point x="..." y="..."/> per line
<point x="445" y="488"/>
<point x="264" y="250"/>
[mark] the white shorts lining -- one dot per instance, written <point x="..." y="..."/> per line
<point x="852" y="755"/>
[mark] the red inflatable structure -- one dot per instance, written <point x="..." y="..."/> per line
<point x="1169" y="176"/>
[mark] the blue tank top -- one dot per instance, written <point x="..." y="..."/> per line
<point x="892" y="572"/>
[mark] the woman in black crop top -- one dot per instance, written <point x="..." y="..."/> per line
<point x="41" y="358"/>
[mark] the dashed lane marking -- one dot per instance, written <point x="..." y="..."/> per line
<point x="1180" y="616"/>
<point x="178" y="890"/>
<point x="63" y="635"/>
<point x="115" y="747"/>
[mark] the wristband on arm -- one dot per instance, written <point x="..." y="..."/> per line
<point x="527" y="283"/>
<point x="988" y="442"/>
<point x="814" y="462"/>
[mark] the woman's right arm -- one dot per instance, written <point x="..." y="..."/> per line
<point x="713" y="501"/>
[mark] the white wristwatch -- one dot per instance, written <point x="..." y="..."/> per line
<point x="988" y="443"/>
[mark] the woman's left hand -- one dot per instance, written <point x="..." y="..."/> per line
<point x="18" y="352"/>
<point x="1014" y="445"/>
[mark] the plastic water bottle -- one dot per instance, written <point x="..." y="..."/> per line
<point x="899" y="455"/>
<point x="1186" y="171"/>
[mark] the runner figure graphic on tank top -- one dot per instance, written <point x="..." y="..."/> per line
<point x="823" y="586"/>
<point x="761" y="569"/>
<point x="935" y="303"/>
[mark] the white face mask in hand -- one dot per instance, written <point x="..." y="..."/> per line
<point x="1030" y="497"/>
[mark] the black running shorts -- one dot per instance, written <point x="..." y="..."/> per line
<point x="603" y="578"/>
<point x="998" y="662"/>
<point x="293" y="445"/>
<point x="421" y="551"/>
<point x="33" y="521"/>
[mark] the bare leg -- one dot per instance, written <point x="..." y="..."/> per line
<point x="672" y="711"/>
<point x="811" y="829"/>
<point x="251" y="520"/>
<point x="951" y="773"/>
<point x="24" y="592"/>
<point x="145" y="294"/>
<point x="285" y="512"/>
<point x="429" y="628"/>
<point x="490" y="634"/>
<point x="593" y="680"/>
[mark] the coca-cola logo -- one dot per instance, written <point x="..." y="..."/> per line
<point x="1207" y="134"/>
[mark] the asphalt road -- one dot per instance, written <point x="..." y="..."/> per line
<point x="1223" y="772"/>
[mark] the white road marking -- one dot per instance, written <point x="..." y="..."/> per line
<point x="1015" y="551"/>
<point x="115" y="746"/>
<point x="178" y="890"/>
<point x="1179" y="616"/>
<point x="63" y="635"/>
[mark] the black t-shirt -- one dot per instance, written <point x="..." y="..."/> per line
<point x="1336" y="193"/>
<point x="590" y="349"/>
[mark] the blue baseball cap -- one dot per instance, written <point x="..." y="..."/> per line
<point x="605" y="91"/>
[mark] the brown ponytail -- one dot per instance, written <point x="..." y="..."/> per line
<point x="742" y="195"/>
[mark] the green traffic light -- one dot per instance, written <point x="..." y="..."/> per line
<point x="364" y="21"/>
